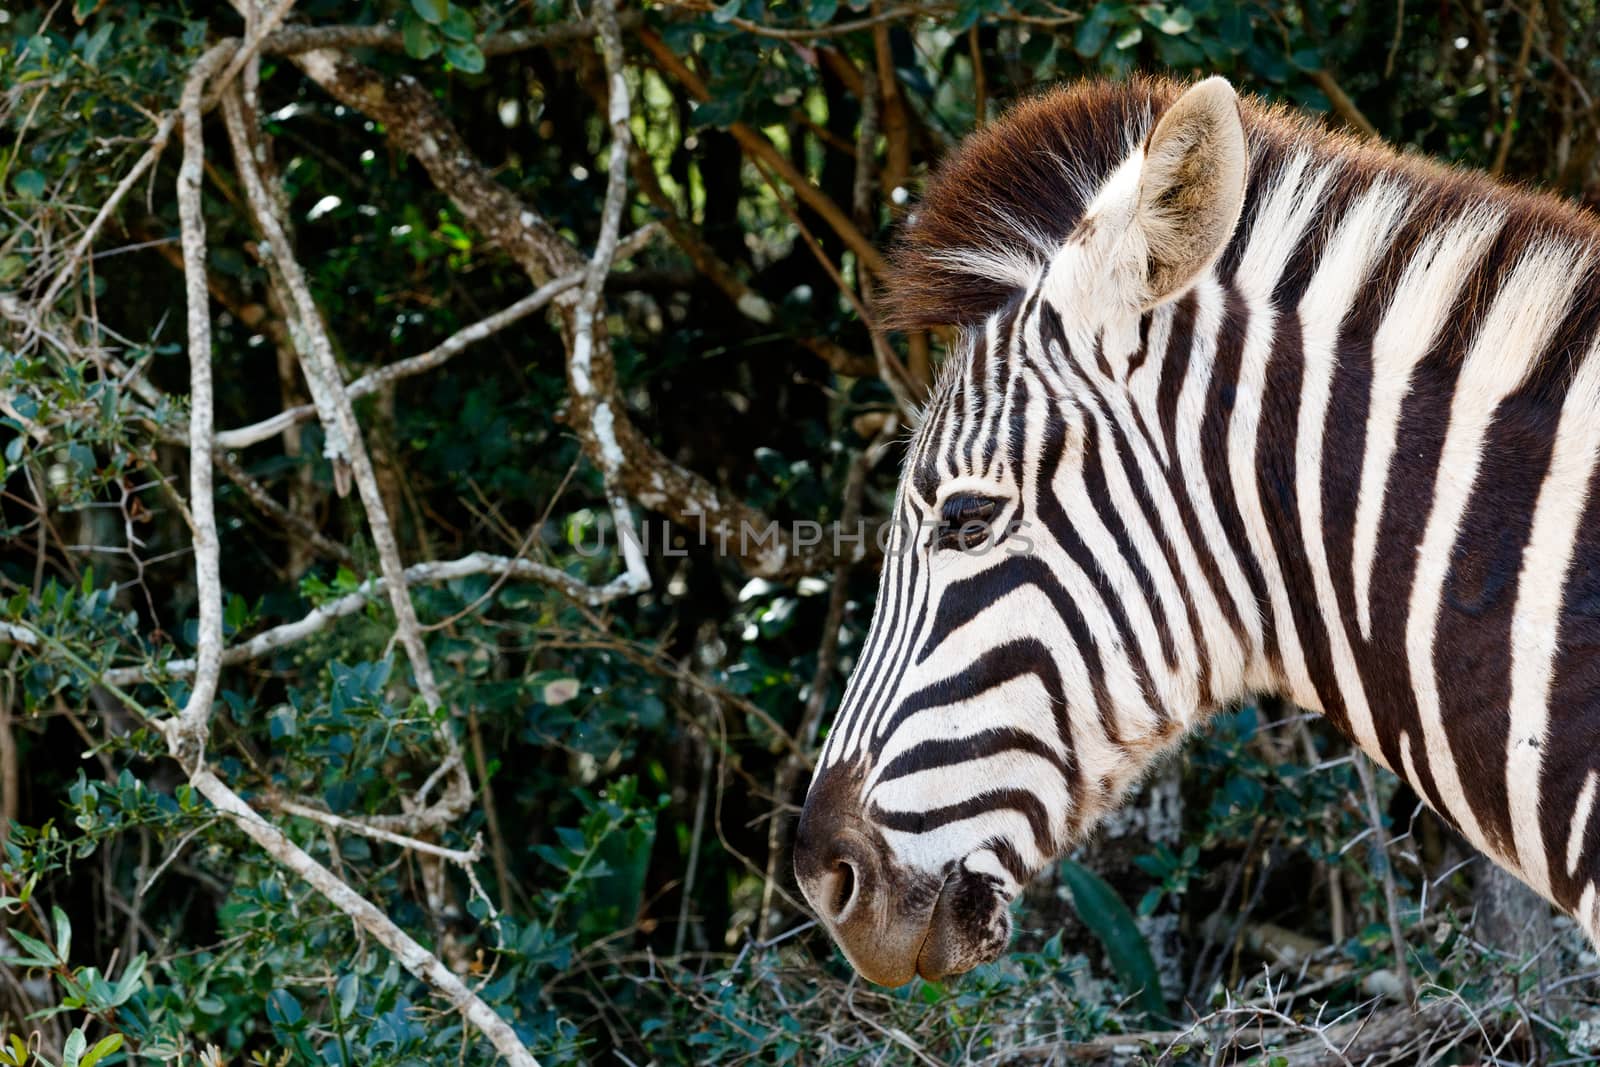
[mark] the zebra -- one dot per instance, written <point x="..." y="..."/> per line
<point x="1239" y="406"/>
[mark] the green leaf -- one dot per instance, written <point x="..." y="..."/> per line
<point x="432" y="12"/>
<point x="283" y="1009"/>
<point x="97" y="43"/>
<point x="467" y="58"/>
<point x="459" y="25"/>
<point x="39" y="953"/>
<point x="63" y="933"/>
<point x="346" y="992"/>
<point x="420" y="39"/>
<point x="1109" y="919"/>
<point x="29" y="183"/>
<point x="129" y="982"/>
<point x="1150" y="901"/>
<point x="1094" y="30"/>
<point x="1176" y="21"/>
<point x="1129" y="37"/>
<point x="72" y="1051"/>
<point x="102" y="1048"/>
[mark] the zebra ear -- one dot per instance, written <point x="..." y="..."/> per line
<point x="1191" y="187"/>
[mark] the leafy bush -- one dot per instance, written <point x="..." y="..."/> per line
<point x="615" y="882"/>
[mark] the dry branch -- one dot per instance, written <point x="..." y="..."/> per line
<point x="186" y="735"/>
<point x="371" y="382"/>
<point x="317" y="360"/>
<point x="413" y="123"/>
<point x="412" y="956"/>
<point x="756" y="144"/>
<point x="297" y="39"/>
<point x="321" y="616"/>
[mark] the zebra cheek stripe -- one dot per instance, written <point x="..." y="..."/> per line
<point x="1254" y="408"/>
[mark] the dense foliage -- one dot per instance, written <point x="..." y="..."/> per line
<point x="616" y="885"/>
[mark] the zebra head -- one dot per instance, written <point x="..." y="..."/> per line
<point x="1022" y="668"/>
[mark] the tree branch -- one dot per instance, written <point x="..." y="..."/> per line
<point x="186" y="734"/>
<point x="299" y="39"/>
<point x="316" y="358"/>
<point x="372" y="381"/>
<point x="320" y="617"/>
<point x="413" y="123"/>
<point x="416" y="959"/>
<point x="757" y="145"/>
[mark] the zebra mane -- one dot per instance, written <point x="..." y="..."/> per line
<point x="999" y="206"/>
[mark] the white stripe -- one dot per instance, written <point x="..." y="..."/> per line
<point x="1190" y="416"/>
<point x="1527" y="307"/>
<point x="1125" y="589"/>
<point x="1223" y="652"/>
<point x="1588" y="915"/>
<point x="1536" y="621"/>
<point x="1425" y="295"/>
<point x="1580" y="822"/>
<point x="1289" y="209"/>
<point x="1364" y="232"/>
<point x="1182" y="682"/>
<point x="1144" y="385"/>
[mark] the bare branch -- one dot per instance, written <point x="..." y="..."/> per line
<point x="298" y="39"/>
<point x="413" y="123"/>
<point x="1391" y="898"/>
<point x="580" y="365"/>
<point x="1343" y="106"/>
<point x="320" y="617"/>
<point x="158" y="144"/>
<point x="371" y="382"/>
<point x="186" y="735"/>
<point x="316" y="356"/>
<point x="416" y="959"/>
<point x="462" y="857"/>
<point x="1519" y="78"/>
<point x="259" y="30"/>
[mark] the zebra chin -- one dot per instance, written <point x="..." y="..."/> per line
<point x="892" y="921"/>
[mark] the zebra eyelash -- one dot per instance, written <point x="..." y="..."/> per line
<point x="966" y="521"/>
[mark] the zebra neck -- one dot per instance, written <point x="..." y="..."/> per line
<point x="1383" y="431"/>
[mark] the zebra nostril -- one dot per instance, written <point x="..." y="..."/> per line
<point x="842" y="889"/>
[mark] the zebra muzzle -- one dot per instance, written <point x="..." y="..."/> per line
<point x="895" y="925"/>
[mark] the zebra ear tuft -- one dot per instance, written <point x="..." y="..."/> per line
<point x="1191" y="187"/>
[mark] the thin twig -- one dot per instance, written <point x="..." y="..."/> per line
<point x="1519" y="78"/>
<point x="319" y="618"/>
<point x="371" y="382"/>
<point x="461" y="857"/>
<point x="1391" y="896"/>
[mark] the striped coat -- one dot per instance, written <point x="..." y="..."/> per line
<point x="1241" y="406"/>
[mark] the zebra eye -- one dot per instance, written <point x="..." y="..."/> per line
<point x="965" y="521"/>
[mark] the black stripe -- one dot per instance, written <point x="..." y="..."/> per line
<point x="1018" y="800"/>
<point x="951" y="752"/>
<point x="1214" y="427"/>
<point x="1277" y="446"/>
